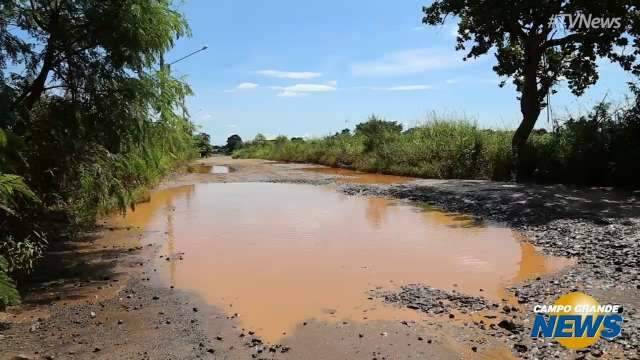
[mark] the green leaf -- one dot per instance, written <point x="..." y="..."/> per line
<point x="8" y="293"/>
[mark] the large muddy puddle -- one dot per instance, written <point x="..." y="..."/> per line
<point x="280" y="254"/>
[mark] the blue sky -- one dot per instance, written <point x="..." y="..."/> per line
<point x="312" y="68"/>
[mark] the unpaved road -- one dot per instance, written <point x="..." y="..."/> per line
<point x="96" y="298"/>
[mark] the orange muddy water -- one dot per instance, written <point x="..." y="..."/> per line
<point x="280" y="254"/>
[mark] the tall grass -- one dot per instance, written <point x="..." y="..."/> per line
<point x="600" y="148"/>
<point x="435" y="149"/>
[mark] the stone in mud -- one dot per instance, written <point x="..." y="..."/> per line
<point x="596" y="353"/>
<point x="521" y="348"/>
<point x="508" y="325"/>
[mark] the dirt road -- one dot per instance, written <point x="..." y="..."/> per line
<point x="101" y="297"/>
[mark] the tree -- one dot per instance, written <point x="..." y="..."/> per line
<point x="537" y="43"/>
<point x="86" y="117"/>
<point x="234" y="142"/>
<point x="80" y="72"/>
<point x="203" y="144"/>
<point x="377" y="131"/>
<point x="77" y="46"/>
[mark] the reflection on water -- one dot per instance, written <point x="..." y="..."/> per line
<point x="200" y="169"/>
<point x="208" y="169"/>
<point x="279" y="254"/>
<point x="357" y="177"/>
<point x="219" y="169"/>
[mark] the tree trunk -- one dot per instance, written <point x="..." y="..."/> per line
<point x="37" y="88"/>
<point x="530" y="112"/>
<point x="32" y="94"/>
<point x="530" y="107"/>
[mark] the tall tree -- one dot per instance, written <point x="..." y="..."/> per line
<point x="76" y="47"/>
<point x="536" y="43"/>
<point x="234" y="142"/>
<point x="85" y="115"/>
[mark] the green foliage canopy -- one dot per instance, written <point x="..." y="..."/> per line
<point x="86" y="117"/>
<point x="376" y="132"/>
<point x="234" y="142"/>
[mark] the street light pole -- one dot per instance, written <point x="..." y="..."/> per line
<point x="162" y="64"/>
<point x="190" y="54"/>
<point x="168" y="66"/>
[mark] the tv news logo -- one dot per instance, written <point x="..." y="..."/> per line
<point x="584" y="21"/>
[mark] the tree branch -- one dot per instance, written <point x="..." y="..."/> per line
<point x="563" y="41"/>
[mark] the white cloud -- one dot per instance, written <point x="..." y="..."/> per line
<point x="246" y="86"/>
<point x="303" y="89"/>
<point x="243" y="86"/>
<point x="290" y="94"/>
<point x="406" y="88"/>
<point x="302" y="75"/>
<point x="408" y="62"/>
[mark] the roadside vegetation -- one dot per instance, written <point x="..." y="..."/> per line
<point x="88" y="121"/>
<point x="536" y="55"/>
<point x="536" y="49"/>
<point x="599" y="148"/>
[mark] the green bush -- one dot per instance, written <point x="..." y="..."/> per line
<point x="600" y="148"/>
